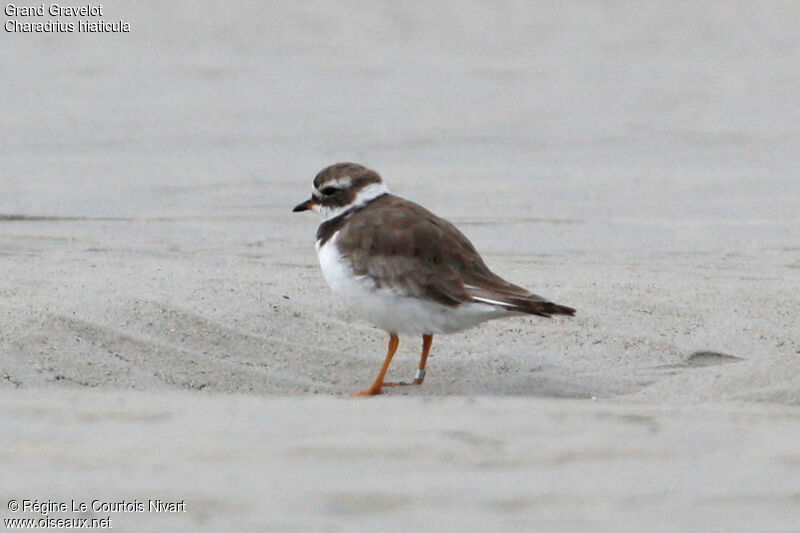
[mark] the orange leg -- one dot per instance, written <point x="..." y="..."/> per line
<point x="394" y="340"/>
<point x="427" y="340"/>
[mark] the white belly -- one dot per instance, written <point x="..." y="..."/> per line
<point x="391" y="311"/>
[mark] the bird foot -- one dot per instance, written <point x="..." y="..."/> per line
<point x="372" y="391"/>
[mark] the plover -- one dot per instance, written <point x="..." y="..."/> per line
<point x="402" y="268"/>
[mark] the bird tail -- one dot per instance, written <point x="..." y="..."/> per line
<point x="520" y="303"/>
<point x="548" y="308"/>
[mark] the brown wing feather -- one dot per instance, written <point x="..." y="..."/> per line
<point x="406" y="248"/>
<point x="403" y="246"/>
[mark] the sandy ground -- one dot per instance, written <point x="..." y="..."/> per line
<point x="255" y="463"/>
<point x="164" y="327"/>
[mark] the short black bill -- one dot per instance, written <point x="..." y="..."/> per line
<point x="304" y="206"/>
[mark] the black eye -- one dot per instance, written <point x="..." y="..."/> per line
<point x="327" y="191"/>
